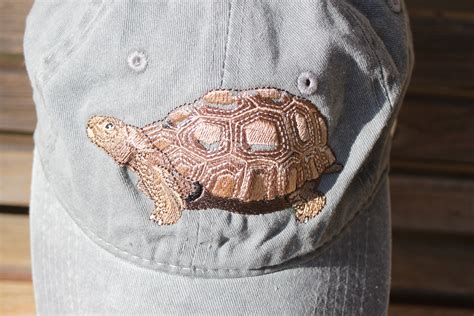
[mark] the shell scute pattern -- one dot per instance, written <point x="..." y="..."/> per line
<point x="247" y="128"/>
<point x="242" y="146"/>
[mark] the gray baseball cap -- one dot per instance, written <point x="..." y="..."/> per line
<point x="239" y="104"/>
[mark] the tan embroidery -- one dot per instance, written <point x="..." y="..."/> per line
<point x="251" y="151"/>
<point x="263" y="133"/>
<point x="302" y="127"/>
<point x="178" y="116"/>
<point x="208" y="135"/>
<point x="269" y="93"/>
<point x="219" y="96"/>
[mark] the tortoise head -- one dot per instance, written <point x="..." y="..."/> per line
<point x="112" y="135"/>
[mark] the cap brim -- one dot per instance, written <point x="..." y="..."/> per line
<point x="73" y="275"/>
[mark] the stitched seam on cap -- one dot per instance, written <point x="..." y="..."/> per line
<point x="196" y="246"/>
<point x="226" y="46"/>
<point x="351" y="11"/>
<point x="68" y="45"/>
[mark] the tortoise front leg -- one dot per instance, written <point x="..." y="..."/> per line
<point x="307" y="203"/>
<point x="168" y="206"/>
<point x="165" y="216"/>
<point x="168" y="203"/>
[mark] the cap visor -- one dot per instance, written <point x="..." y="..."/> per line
<point x="73" y="275"/>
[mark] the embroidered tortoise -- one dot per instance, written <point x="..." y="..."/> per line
<point x="245" y="151"/>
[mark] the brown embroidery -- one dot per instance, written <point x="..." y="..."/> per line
<point x="252" y="151"/>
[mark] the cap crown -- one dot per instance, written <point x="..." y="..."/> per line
<point x="79" y="64"/>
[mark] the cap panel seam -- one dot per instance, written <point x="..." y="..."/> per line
<point x="226" y="46"/>
<point x="184" y="243"/>
<point x="68" y="45"/>
<point x="197" y="246"/>
<point x="352" y="12"/>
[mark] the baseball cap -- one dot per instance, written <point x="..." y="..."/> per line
<point x="214" y="157"/>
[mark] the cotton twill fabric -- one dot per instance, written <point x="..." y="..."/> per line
<point x="94" y="249"/>
<point x="73" y="275"/>
<point x="79" y="68"/>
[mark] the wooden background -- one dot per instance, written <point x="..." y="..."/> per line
<point x="432" y="175"/>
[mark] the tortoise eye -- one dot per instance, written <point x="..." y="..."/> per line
<point x="109" y="126"/>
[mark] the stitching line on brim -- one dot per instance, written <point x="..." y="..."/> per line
<point x="325" y="245"/>
<point x="264" y="270"/>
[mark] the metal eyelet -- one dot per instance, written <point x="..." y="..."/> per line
<point x="307" y="83"/>
<point x="395" y="5"/>
<point x="137" y="61"/>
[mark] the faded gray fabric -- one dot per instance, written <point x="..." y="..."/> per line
<point x="73" y="275"/>
<point x="77" y="53"/>
<point x="193" y="47"/>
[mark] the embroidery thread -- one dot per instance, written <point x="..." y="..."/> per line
<point x="252" y="151"/>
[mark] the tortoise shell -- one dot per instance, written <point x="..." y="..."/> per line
<point x="248" y="145"/>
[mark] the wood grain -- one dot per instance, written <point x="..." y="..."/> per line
<point x="430" y="167"/>
<point x="15" y="263"/>
<point x="16" y="156"/>
<point x="12" y="23"/>
<point x="430" y="203"/>
<point x="431" y="130"/>
<point x="421" y="310"/>
<point x="16" y="298"/>
<point x="433" y="263"/>
<point x="444" y="49"/>
<point x="17" y="113"/>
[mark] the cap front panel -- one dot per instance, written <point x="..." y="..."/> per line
<point x="139" y="62"/>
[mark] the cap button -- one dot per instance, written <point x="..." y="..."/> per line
<point x="137" y="61"/>
<point x="395" y="5"/>
<point x="307" y="83"/>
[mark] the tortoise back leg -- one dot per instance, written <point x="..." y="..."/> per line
<point x="307" y="202"/>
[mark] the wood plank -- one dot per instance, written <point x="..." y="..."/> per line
<point x="16" y="291"/>
<point x="15" y="263"/>
<point x="12" y="23"/>
<point x="17" y="113"/>
<point x="433" y="263"/>
<point x="432" y="167"/>
<point x="441" y="5"/>
<point x="430" y="130"/>
<point x="444" y="50"/>
<point x="16" y="156"/>
<point x="435" y="204"/>
<point x="423" y="310"/>
<point x="16" y="298"/>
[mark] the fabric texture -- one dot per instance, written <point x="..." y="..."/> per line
<point x="73" y="275"/>
<point x="94" y="247"/>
